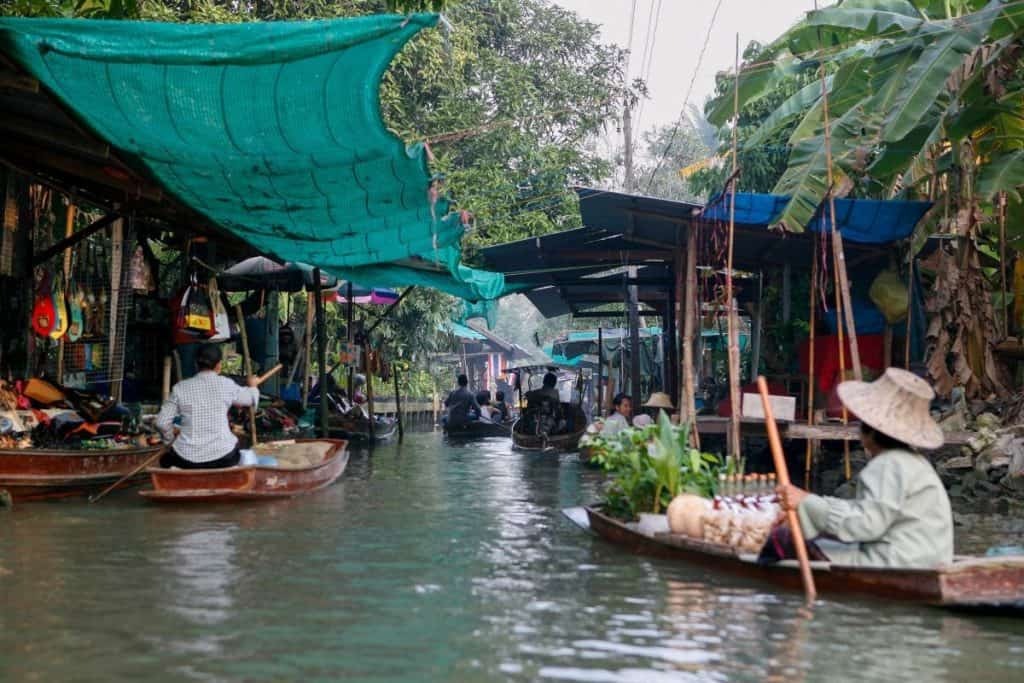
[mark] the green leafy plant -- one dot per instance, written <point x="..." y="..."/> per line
<point x="650" y="466"/>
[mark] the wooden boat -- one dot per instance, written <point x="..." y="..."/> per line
<point x="969" y="582"/>
<point x="478" y="429"/>
<point x="304" y="466"/>
<point x="42" y="473"/>
<point x="357" y="429"/>
<point x="523" y="439"/>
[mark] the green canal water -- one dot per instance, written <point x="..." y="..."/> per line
<point x="429" y="563"/>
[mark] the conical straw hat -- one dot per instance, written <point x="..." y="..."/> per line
<point x="659" y="400"/>
<point x="895" y="404"/>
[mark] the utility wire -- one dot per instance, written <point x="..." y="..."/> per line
<point x="686" y="100"/>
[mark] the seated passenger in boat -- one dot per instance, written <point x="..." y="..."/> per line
<point x="622" y="412"/>
<point x="487" y="413"/>
<point x="544" y="407"/>
<point x="500" y="407"/>
<point x="202" y="402"/>
<point x="901" y="516"/>
<point x="461" y="404"/>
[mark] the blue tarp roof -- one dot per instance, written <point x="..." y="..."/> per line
<point x="867" y="221"/>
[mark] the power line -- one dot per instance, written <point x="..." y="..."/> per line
<point x="686" y="100"/>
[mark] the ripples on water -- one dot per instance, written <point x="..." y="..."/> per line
<point x="429" y="563"/>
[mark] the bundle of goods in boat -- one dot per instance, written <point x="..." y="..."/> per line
<point x="743" y="514"/>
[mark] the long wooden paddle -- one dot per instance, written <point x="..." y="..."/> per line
<point x="783" y="474"/>
<point x="149" y="461"/>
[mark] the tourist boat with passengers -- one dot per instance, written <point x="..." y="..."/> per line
<point x="970" y="582"/>
<point x="526" y="437"/>
<point x="301" y="466"/>
<point x="356" y="429"/>
<point x="45" y="473"/>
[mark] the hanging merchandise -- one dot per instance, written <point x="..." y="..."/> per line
<point x="8" y="228"/>
<point x="890" y="295"/>
<point x="1018" y="294"/>
<point x="76" y="300"/>
<point x="61" y="314"/>
<point x="192" y="315"/>
<point x="221" y="319"/>
<point x="140" y="275"/>
<point x="42" y="311"/>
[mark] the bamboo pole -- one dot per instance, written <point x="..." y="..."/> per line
<point x="809" y="455"/>
<point x="247" y="366"/>
<point x="600" y="371"/>
<point x="783" y="476"/>
<point x="690" y="313"/>
<point x="308" y="359"/>
<point x="734" y="350"/>
<point x="1002" y="265"/>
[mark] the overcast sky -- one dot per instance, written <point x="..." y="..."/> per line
<point x="680" y="33"/>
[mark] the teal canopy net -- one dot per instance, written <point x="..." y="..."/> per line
<point x="271" y="130"/>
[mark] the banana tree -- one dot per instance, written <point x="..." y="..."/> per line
<point x="925" y="98"/>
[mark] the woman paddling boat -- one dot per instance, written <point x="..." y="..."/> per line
<point x="901" y="516"/>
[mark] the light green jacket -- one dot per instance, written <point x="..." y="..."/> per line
<point x="900" y="518"/>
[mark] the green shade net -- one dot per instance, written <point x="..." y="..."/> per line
<point x="271" y="130"/>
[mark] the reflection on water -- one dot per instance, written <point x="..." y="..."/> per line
<point x="428" y="563"/>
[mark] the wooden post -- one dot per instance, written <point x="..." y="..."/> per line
<point x="350" y="337"/>
<point x="809" y="455"/>
<point x="369" y="388"/>
<point x="247" y="366"/>
<point x="600" y="371"/>
<point x="757" y="329"/>
<point x="690" y="313"/>
<point x="321" y="350"/>
<point x="165" y="385"/>
<point x="1003" y="292"/>
<point x="398" y="408"/>
<point x="308" y="359"/>
<point x="115" y="340"/>
<point x="735" y="445"/>
<point x="910" y="306"/>
<point x="69" y="228"/>
<point x="632" y="297"/>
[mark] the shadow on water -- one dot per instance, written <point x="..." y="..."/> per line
<point x="429" y="561"/>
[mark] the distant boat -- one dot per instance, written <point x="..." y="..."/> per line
<point x="304" y="466"/>
<point x="525" y="439"/>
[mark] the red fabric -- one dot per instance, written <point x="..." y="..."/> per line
<point x="774" y="389"/>
<point x="826" y="357"/>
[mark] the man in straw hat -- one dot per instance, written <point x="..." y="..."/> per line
<point x="901" y="516"/>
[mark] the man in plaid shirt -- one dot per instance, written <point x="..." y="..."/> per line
<point x="202" y="402"/>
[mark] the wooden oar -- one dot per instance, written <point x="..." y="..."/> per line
<point x="149" y="461"/>
<point x="783" y="475"/>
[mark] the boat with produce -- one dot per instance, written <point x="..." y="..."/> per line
<point x="45" y="473"/>
<point x="969" y="582"/>
<point x="301" y="466"/>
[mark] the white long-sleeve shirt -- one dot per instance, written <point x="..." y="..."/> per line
<point x="901" y="516"/>
<point x="203" y="402"/>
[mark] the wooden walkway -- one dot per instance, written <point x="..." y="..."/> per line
<point x="830" y="431"/>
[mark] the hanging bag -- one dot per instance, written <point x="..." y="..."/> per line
<point x="221" y="319"/>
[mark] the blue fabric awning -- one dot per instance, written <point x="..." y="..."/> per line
<point x="867" y="221"/>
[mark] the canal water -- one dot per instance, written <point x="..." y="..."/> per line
<point x="429" y="563"/>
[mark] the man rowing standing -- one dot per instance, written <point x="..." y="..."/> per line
<point x="202" y="402"/>
<point x="901" y="516"/>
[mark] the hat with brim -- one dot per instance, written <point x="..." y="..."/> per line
<point x="659" y="400"/>
<point x="897" y="405"/>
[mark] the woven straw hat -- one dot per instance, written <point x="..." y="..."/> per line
<point x="895" y="404"/>
<point x="659" y="400"/>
